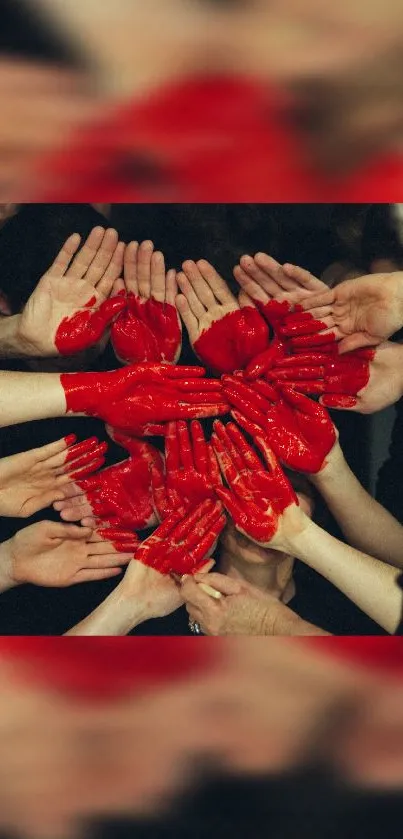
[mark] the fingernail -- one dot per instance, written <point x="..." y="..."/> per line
<point x="70" y="439"/>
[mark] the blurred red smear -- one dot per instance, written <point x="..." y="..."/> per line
<point x="219" y="139"/>
<point x="384" y="654"/>
<point x="105" y="667"/>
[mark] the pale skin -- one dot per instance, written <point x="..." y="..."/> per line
<point x="205" y="297"/>
<point x="262" y="279"/>
<point x="77" y="275"/>
<point x="54" y="554"/>
<point x="33" y="480"/>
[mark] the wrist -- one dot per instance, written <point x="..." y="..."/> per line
<point x="333" y="467"/>
<point x="116" y="616"/>
<point x="82" y="392"/>
<point x="7" y="578"/>
<point x="11" y="341"/>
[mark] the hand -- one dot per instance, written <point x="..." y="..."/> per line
<point x="363" y="311"/>
<point x="33" y="480"/>
<point x="158" y="594"/>
<point x="260" y="500"/>
<point x="192" y="471"/>
<point x="224" y="334"/>
<point x="263" y="279"/>
<point x="243" y="610"/>
<point x="299" y="431"/>
<point x="70" y="309"/>
<point x="54" y="554"/>
<point x="141" y="399"/>
<point x="119" y="495"/>
<point x="365" y="380"/>
<point x="149" y="328"/>
<point x="181" y="543"/>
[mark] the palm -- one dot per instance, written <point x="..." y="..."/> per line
<point x="162" y="591"/>
<point x="367" y="306"/>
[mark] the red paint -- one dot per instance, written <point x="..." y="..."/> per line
<point x="231" y="342"/>
<point x="101" y="668"/>
<point x="134" y="399"/>
<point x="70" y="439"/>
<point x="336" y="374"/>
<point x="299" y="431"/>
<point x="257" y="494"/>
<point x="121" y="494"/>
<point x="86" y="328"/>
<point x="123" y="541"/>
<point x="181" y="543"/>
<point x="235" y="145"/>
<point x="333" y="401"/>
<point x="192" y="471"/>
<point x="147" y="330"/>
<point x="266" y="360"/>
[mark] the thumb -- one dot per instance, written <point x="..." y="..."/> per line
<point x="339" y="402"/>
<point x="222" y="583"/>
<point x="111" y="308"/>
<point x="355" y="342"/>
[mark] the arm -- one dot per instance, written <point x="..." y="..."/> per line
<point x="10" y="346"/>
<point x="366" y="525"/>
<point x="30" y="396"/>
<point x="367" y="582"/>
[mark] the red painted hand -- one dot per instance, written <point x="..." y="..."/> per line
<point x="258" y="495"/>
<point x="325" y="373"/>
<point x="70" y="309"/>
<point x="119" y="495"/>
<point x="140" y="400"/>
<point x="182" y="542"/>
<point x="224" y="332"/>
<point x="149" y="328"/>
<point x="192" y="471"/>
<point x="299" y="431"/>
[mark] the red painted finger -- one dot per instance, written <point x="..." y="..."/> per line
<point x="92" y="466"/>
<point x="213" y="469"/>
<point x="183" y="372"/>
<point x="310" y="359"/>
<point x="206" y="543"/>
<point x="302" y="403"/>
<point x="172" y="453"/>
<point x="247" y="401"/>
<point x="109" y="310"/>
<point x="186" y="526"/>
<point x="266" y="360"/>
<point x="200" y="411"/>
<point x="309" y="387"/>
<point x="200" y="398"/>
<point x="231" y="448"/>
<point x="251" y="427"/>
<point x="307" y="326"/>
<point x="202" y="529"/>
<point x="159" y="493"/>
<point x="330" y="348"/>
<point x="94" y="454"/>
<point x="199" y="386"/>
<point x="81" y="448"/>
<point x="319" y="340"/>
<point x="248" y="457"/>
<point x="266" y="390"/>
<point x="185" y="448"/>
<point x="296" y="373"/>
<point x="332" y="400"/>
<point x="200" y="450"/>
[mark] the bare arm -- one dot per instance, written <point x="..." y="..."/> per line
<point x="366" y="525"/>
<point x="30" y="396"/>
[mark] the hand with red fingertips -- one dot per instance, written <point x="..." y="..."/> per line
<point x="299" y="431"/>
<point x="33" y="480"/>
<point x="71" y="309"/>
<point x="119" y="495"/>
<point x="182" y="542"/>
<point x="149" y="327"/>
<point x="258" y="495"/>
<point x="140" y="400"/>
<point x="192" y="471"/>
<point x="264" y="279"/>
<point x="225" y="333"/>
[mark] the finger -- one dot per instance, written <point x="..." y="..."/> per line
<point x="205" y="534"/>
<point x="302" y="403"/>
<point x="86" y="254"/>
<point x="217" y="285"/>
<point x="185" y="448"/>
<point x="183" y="372"/>
<point x="158" y="277"/>
<point x="259" y="394"/>
<point x="266" y="275"/>
<point x="82" y="456"/>
<point x="190" y="520"/>
<point x="102" y="257"/>
<point x="60" y="447"/>
<point x="171" y="287"/>
<point x="304" y="278"/>
<point x="119" y="288"/>
<point x="130" y="268"/>
<point x="69" y="531"/>
<point x="77" y="513"/>
<point x="213" y="469"/>
<point x="189" y="319"/>
<point x="250" y="286"/>
<point x="64" y="257"/>
<point x="216" y="409"/>
<point x="113" y="272"/>
<point x="314" y="340"/>
<point x="221" y="431"/>
<point x="91" y="466"/>
<point x="89" y="575"/>
<point x="355" y="342"/>
<point x="325" y="298"/>
<point x="252" y="428"/>
<point x="241" y="400"/>
<point x="234" y="507"/>
<point x="199" y="284"/>
<point x="110" y="560"/>
<point x="304" y="326"/>
<point x="293" y="374"/>
<point x="265" y="360"/>
<point x="199" y="445"/>
<point x="172" y="453"/>
<point x="196" y="306"/>
<point x="224" y="455"/>
<point x="248" y="456"/>
<point x="276" y="272"/>
<point x="221" y="582"/>
<point x="144" y="255"/>
<point x="159" y="493"/>
<point x="245" y="301"/>
<point x="309" y="359"/>
<point x="343" y="403"/>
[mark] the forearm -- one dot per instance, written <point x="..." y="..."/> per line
<point x="6" y="577"/>
<point x="281" y="620"/>
<point x="117" y="615"/>
<point x="30" y="396"/>
<point x="366" y="525"/>
<point x="367" y="582"/>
